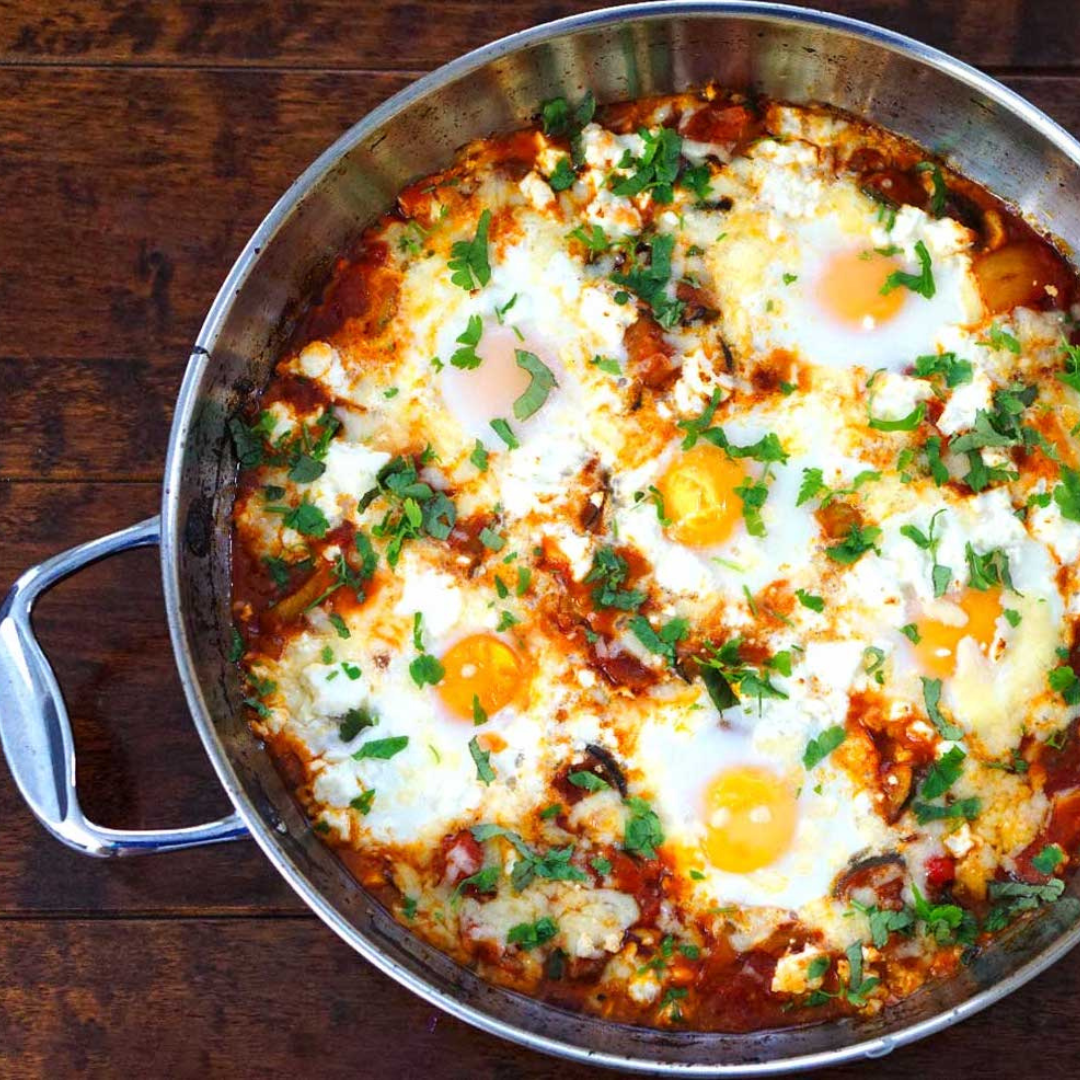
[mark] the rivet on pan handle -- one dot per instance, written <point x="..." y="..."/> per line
<point x="35" y="731"/>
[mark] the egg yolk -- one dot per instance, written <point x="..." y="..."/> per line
<point x="481" y="668"/>
<point x="938" y="641"/>
<point x="750" y="816"/>
<point x="849" y="288"/>
<point x="699" y="496"/>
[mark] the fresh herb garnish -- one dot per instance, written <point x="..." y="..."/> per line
<point x="647" y="274"/>
<point x="932" y="700"/>
<point x="382" y="749"/>
<point x="943" y="773"/>
<point x="643" y="833"/>
<point x="354" y="722"/>
<point x="588" y="781"/>
<point x="661" y="642"/>
<point x="859" y="540"/>
<point x="921" y="283"/>
<point x="530" y="935"/>
<point x="817" y="750"/>
<point x="609" y="571"/>
<point x="466" y="357"/>
<point x="505" y="432"/>
<point x="469" y="258"/>
<point x="482" y="761"/>
<point x="542" y="382"/>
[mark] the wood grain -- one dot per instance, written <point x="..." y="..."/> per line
<point x="140" y="144"/>
<point x="140" y="762"/>
<point x="419" y="36"/>
<point x="145" y="210"/>
<point x="269" y="998"/>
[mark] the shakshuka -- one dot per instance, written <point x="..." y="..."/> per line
<point x="655" y="562"/>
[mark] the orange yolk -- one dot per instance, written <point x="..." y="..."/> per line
<point x="699" y="496"/>
<point x="849" y="288"/>
<point x="938" y="641"/>
<point x="480" y="668"/>
<point x="750" y="816"/>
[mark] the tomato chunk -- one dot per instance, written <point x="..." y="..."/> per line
<point x="1026" y="272"/>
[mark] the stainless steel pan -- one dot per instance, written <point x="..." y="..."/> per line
<point x="985" y="130"/>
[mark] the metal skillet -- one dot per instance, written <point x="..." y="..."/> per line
<point x="984" y="130"/>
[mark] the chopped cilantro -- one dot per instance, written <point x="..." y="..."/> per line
<point x="859" y="540"/>
<point x="469" y="258"/>
<point x="505" y="432"/>
<point x="466" y="357"/>
<point x="808" y="600"/>
<point x="921" y="283"/>
<point x="542" y="382"/>
<point x="643" y="833"/>
<point x="1067" y="494"/>
<point x="531" y="935"/>
<point x="609" y="571"/>
<point x="932" y="700"/>
<point x="943" y="773"/>
<point x="940" y="193"/>
<point x="479" y="456"/>
<point x="1001" y="339"/>
<point x="819" y="749"/>
<point x="588" y="781"/>
<point x="661" y="643"/>
<point x="382" y="749"/>
<point x="482" y="761"/>
<point x="1049" y="859"/>
<point x="354" y="722"/>
<point x="968" y="809"/>
<point x="955" y="371"/>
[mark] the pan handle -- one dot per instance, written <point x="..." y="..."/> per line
<point x="35" y="731"/>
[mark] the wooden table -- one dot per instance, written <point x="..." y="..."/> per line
<point x="140" y="144"/>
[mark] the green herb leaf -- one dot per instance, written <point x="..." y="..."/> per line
<point x="609" y="571"/>
<point x="1049" y="859"/>
<point x="643" y="833"/>
<point x="466" y="357"/>
<point x="819" y="749"/>
<point x="808" y="600"/>
<point x="530" y="935"/>
<point x="661" y="643"/>
<point x="469" y="258"/>
<point x="859" y="540"/>
<point x="505" y="432"/>
<point x="382" y="749"/>
<point x="921" y="283"/>
<point x="1063" y="681"/>
<point x="956" y="372"/>
<point x="968" y="809"/>
<point x="541" y="384"/>
<point x="905" y="423"/>
<point x="943" y="774"/>
<point x="354" y="722"/>
<point x="426" y="669"/>
<point x="940" y="193"/>
<point x="588" y="781"/>
<point x="479" y="456"/>
<point x="1067" y="494"/>
<point x="932" y="699"/>
<point x="482" y="760"/>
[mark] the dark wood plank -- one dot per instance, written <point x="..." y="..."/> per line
<point x="94" y="330"/>
<point x="416" y="36"/>
<point x="140" y="762"/>
<point x="286" y="997"/>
